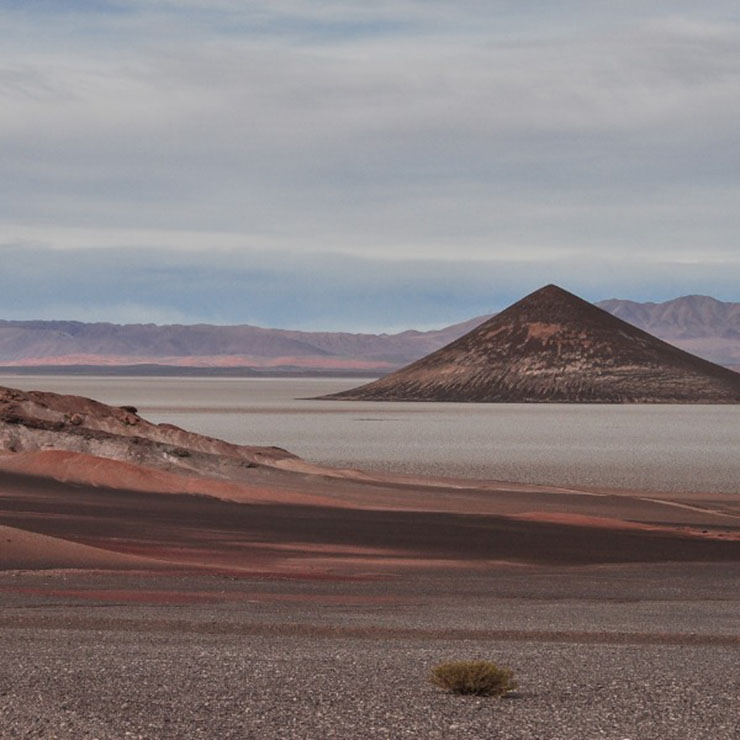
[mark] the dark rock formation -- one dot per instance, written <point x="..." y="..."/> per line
<point x="552" y="346"/>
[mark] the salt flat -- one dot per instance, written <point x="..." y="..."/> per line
<point x="662" y="448"/>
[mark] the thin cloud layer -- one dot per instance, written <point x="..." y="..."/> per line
<point x="425" y="132"/>
<point x="315" y="290"/>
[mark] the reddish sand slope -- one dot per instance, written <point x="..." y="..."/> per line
<point x="22" y="550"/>
<point x="311" y="540"/>
<point x="75" y="467"/>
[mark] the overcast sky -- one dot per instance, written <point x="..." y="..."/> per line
<point x="363" y="165"/>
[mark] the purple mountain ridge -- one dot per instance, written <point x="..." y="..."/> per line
<point x="698" y="324"/>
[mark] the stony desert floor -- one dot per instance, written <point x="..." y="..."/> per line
<point x="138" y="614"/>
<point x="612" y="651"/>
<point x="159" y="584"/>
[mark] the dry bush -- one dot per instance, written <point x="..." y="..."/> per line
<point x="477" y="677"/>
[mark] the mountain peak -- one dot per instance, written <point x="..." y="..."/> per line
<point x="550" y="292"/>
<point x="553" y="346"/>
<point x="550" y="288"/>
<point x="550" y="304"/>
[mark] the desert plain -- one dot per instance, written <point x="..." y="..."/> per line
<point x="156" y="583"/>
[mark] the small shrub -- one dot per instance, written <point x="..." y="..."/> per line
<point x="477" y="677"/>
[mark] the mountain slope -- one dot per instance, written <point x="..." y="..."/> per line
<point x="697" y="323"/>
<point x="28" y="343"/>
<point x="554" y="346"/>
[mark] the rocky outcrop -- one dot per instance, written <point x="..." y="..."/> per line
<point x="35" y="420"/>
<point x="552" y="346"/>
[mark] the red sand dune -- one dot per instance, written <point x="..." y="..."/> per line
<point x="76" y="467"/>
<point x="22" y="550"/>
<point x="299" y="540"/>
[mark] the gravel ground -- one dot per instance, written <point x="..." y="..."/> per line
<point x="76" y="669"/>
<point x="64" y="684"/>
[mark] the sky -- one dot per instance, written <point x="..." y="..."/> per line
<point x="337" y="164"/>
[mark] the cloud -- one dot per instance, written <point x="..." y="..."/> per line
<point x="575" y="133"/>
<point x="319" y="291"/>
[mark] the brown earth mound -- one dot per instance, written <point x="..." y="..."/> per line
<point x="552" y="346"/>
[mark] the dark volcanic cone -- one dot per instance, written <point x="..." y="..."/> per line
<point x="552" y="346"/>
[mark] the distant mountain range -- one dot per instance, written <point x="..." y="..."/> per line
<point x="66" y="343"/>
<point x="699" y="324"/>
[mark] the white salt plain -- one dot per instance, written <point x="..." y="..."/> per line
<point x="656" y="447"/>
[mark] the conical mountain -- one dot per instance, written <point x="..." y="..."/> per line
<point x="552" y="346"/>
